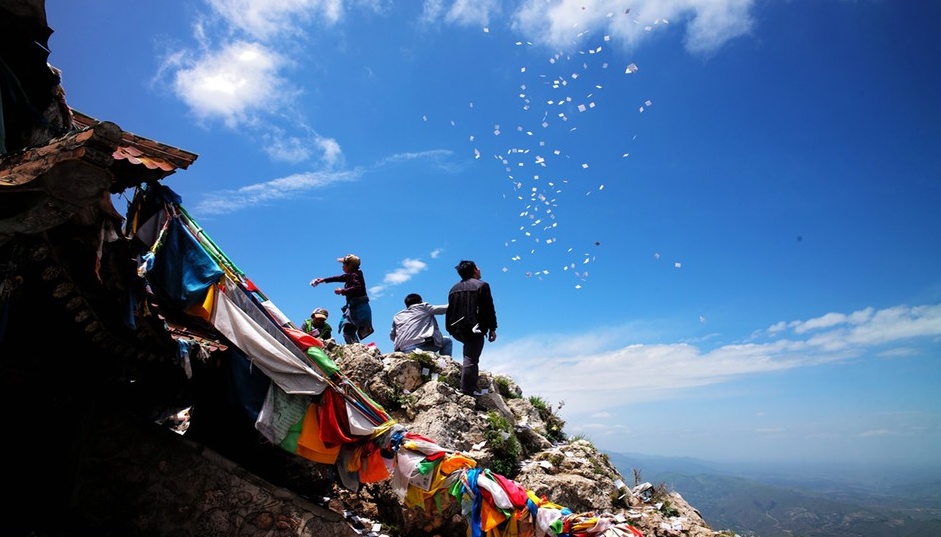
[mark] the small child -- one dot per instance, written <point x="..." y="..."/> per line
<point x="317" y="325"/>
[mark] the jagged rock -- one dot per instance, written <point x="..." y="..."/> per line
<point x="508" y="388"/>
<point x="420" y="391"/>
<point x="404" y="372"/>
<point x="492" y="401"/>
<point x="527" y="415"/>
<point x="358" y="362"/>
<point x="445" y="415"/>
<point x="575" y="475"/>
<point x="530" y="429"/>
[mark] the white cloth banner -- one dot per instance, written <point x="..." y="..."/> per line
<point x="359" y="423"/>
<point x="274" y="359"/>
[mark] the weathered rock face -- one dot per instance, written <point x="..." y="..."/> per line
<point x="420" y="391"/>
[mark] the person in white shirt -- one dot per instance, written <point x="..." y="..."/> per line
<point x="415" y="327"/>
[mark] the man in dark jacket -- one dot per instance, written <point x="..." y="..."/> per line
<point x="470" y="318"/>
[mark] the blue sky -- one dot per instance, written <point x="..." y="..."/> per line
<point x="712" y="228"/>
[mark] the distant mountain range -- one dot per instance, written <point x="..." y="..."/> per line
<point x="798" y="501"/>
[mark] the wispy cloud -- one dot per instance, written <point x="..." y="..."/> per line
<point x="591" y="377"/>
<point x="709" y="24"/>
<point x="878" y="432"/>
<point x="404" y="273"/>
<point x="282" y="146"/>
<point x="460" y="12"/>
<point x="228" y="201"/>
<point x="441" y="159"/>
<point x="266" y="20"/>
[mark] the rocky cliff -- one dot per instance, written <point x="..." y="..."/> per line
<point x="508" y="432"/>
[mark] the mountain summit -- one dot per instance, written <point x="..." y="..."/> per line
<point x="506" y="432"/>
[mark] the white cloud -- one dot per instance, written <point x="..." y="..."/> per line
<point x="228" y="201"/>
<point x="878" y="432"/>
<point x="232" y="83"/>
<point x="460" y="12"/>
<point x="239" y="72"/>
<point x="409" y="268"/>
<point x="832" y="319"/>
<point x="265" y="20"/>
<point x="439" y="157"/>
<point x="472" y="12"/>
<point x="711" y="22"/>
<point x="431" y="11"/>
<point x="331" y="152"/>
<point x="592" y="377"/>
<point x="287" y="148"/>
<point x="714" y="23"/>
<point x="283" y="147"/>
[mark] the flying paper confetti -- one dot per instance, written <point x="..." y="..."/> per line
<point x="559" y="98"/>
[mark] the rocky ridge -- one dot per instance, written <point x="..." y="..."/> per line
<point x="516" y="436"/>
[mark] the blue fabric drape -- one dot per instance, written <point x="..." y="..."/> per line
<point x="249" y="385"/>
<point x="183" y="270"/>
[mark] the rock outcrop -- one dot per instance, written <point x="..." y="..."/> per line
<point x="503" y="430"/>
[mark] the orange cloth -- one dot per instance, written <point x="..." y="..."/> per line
<point x="518" y="525"/>
<point x="309" y="444"/>
<point x="491" y="516"/>
<point x="454" y="462"/>
<point x="374" y="468"/>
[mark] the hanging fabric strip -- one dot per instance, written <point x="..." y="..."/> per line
<point x="237" y="294"/>
<point x="294" y="375"/>
<point x="280" y="411"/>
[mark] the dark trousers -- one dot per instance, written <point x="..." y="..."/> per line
<point x="349" y="333"/>
<point x="473" y="346"/>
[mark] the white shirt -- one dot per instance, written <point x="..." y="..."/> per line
<point x="415" y="323"/>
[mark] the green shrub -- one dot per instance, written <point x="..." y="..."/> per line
<point x="668" y="510"/>
<point x="554" y="424"/>
<point x="400" y="399"/>
<point x="426" y="359"/>
<point x="453" y="381"/>
<point x="554" y="428"/>
<point x="538" y="403"/>
<point x="503" y="387"/>
<point x="503" y="444"/>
